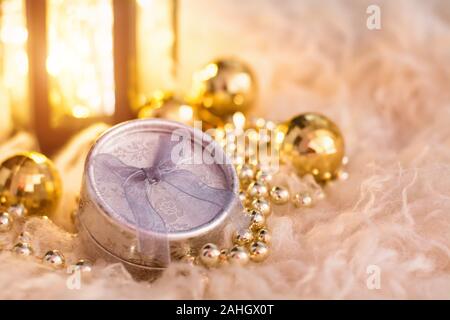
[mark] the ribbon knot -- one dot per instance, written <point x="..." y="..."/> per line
<point x="153" y="174"/>
<point x="198" y="202"/>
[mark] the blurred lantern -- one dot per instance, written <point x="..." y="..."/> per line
<point x="88" y="61"/>
<point x="14" y="113"/>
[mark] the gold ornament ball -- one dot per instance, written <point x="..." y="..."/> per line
<point x="262" y="206"/>
<point x="224" y="86"/>
<point x="242" y="197"/>
<point x="209" y="255"/>
<point x="279" y="195"/>
<point x="259" y="251"/>
<point x="223" y="257"/>
<point x="238" y="255"/>
<point x="55" y="259"/>
<point x="6" y="222"/>
<point x="264" y="236"/>
<point x="23" y="249"/>
<point x="166" y="105"/>
<point x="242" y="236"/>
<point x="257" y="190"/>
<point x="30" y="179"/>
<point x="257" y="219"/>
<point x="188" y="259"/>
<point x="245" y="172"/>
<point x="302" y="200"/>
<point x="83" y="265"/>
<point x="314" y="145"/>
<point x="264" y="177"/>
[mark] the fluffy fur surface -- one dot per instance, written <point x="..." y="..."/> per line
<point x="389" y="91"/>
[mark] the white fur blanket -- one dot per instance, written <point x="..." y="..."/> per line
<point x="389" y="91"/>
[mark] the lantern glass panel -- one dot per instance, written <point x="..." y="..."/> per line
<point x="155" y="48"/>
<point x="14" y="106"/>
<point x="80" y="61"/>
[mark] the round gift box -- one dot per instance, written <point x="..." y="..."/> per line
<point x="104" y="217"/>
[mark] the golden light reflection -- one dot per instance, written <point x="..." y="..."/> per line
<point x="80" y="59"/>
<point x="13" y="67"/>
<point x="155" y="41"/>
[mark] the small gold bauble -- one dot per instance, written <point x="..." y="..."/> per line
<point x="242" y="236"/>
<point x="264" y="236"/>
<point x="188" y="259"/>
<point x="209" y="255"/>
<point x="166" y="105"/>
<point x="314" y="145"/>
<point x="245" y="173"/>
<point x="54" y="258"/>
<point x="83" y="265"/>
<point x="257" y="190"/>
<point x="6" y="221"/>
<point x="223" y="257"/>
<point x="238" y="255"/>
<point x="30" y="179"/>
<point x="257" y="219"/>
<point x="242" y="197"/>
<point x="23" y="249"/>
<point x="223" y="87"/>
<point x="259" y="251"/>
<point x="279" y="195"/>
<point x="262" y="206"/>
<point x="302" y="200"/>
<point x="24" y="237"/>
<point x="264" y="177"/>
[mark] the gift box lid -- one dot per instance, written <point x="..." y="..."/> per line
<point x="153" y="185"/>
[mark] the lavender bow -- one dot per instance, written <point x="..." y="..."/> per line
<point x="200" y="201"/>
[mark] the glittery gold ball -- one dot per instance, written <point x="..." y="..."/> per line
<point x="279" y="195"/>
<point x="224" y="86"/>
<point x="23" y="249"/>
<point x="262" y="206"/>
<point x="238" y="255"/>
<point x="166" y="105"/>
<point x="6" y="222"/>
<point x="209" y="255"/>
<point x="259" y="251"/>
<point x="242" y="236"/>
<point x="30" y="179"/>
<point x="314" y="145"/>
<point x="54" y="258"/>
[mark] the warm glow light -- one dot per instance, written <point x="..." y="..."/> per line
<point x="186" y="113"/>
<point x="239" y="120"/>
<point x="240" y="82"/>
<point x="14" y="112"/>
<point x="80" y="59"/>
<point x="279" y="137"/>
<point x="81" y="112"/>
<point x="154" y="48"/>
